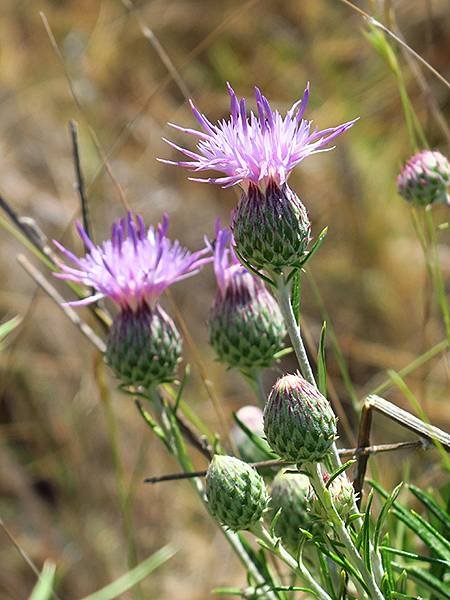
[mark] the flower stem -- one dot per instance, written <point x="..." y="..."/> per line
<point x="293" y="328"/>
<point x="297" y="566"/>
<point x="324" y="496"/>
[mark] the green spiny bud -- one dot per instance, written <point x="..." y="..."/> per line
<point x="246" y="328"/>
<point x="299" y="422"/>
<point x="236" y="493"/>
<point x="290" y="503"/>
<point x="144" y="347"/>
<point x="271" y="228"/>
<point x="425" y="178"/>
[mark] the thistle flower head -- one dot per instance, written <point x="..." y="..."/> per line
<point x="254" y="148"/>
<point x="134" y="267"/>
<point x="246" y="328"/>
<point x="425" y="179"/>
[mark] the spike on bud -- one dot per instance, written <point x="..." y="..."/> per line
<point x="290" y="501"/>
<point x="271" y="228"/>
<point x="144" y="347"/>
<point x="425" y="178"/>
<point x="236" y="493"/>
<point x="299" y="422"/>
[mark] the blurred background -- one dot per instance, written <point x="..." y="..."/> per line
<point x="131" y="67"/>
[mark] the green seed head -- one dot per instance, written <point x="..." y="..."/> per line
<point x="425" y="179"/>
<point x="271" y="229"/>
<point x="290" y="501"/>
<point x="144" y="347"/>
<point x="236" y="493"/>
<point x="299" y="422"/>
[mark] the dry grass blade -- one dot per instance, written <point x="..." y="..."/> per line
<point x="45" y="285"/>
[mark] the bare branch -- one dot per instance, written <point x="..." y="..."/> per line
<point x="345" y="452"/>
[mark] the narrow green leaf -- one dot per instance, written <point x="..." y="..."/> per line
<point x="296" y="294"/>
<point x="430" y="503"/>
<point x="249" y="267"/>
<point x="414" y="556"/>
<point x="426" y="532"/>
<point x="133" y="577"/>
<point x="316" y="245"/>
<point x="43" y="590"/>
<point x="321" y="362"/>
<point x="7" y="327"/>
<point x="384" y="513"/>
<point x="255" y="439"/>
<point x="427" y="581"/>
<point x="340" y="470"/>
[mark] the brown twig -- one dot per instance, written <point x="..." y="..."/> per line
<point x="344" y="452"/>
<point x="45" y="285"/>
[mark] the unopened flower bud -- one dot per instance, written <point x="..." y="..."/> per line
<point x="246" y="328"/>
<point x="425" y="178"/>
<point x="271" y="228"/>
<point x="299" y="422"/>
<point x="343" y="495"/>
<point x="236" y="493"/>
<point x="144" y="347"/>
<point x="290" y="503"/>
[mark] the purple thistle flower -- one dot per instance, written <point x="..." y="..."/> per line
<point x="132" y="268"/>
<point x="255" y="148"/>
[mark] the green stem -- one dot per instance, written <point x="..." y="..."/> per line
<point x="297" y="566"/>
<point x="293" y="328"/>
<point x="324" y="496"/>
<point x="437" y="273"/>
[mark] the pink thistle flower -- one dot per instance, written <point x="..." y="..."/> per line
<point x="132" y="268"/>
<point x="254" y="148"/>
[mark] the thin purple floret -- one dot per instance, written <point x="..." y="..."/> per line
<point x="254" y="147"/>
<point x="134" y="267"/>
